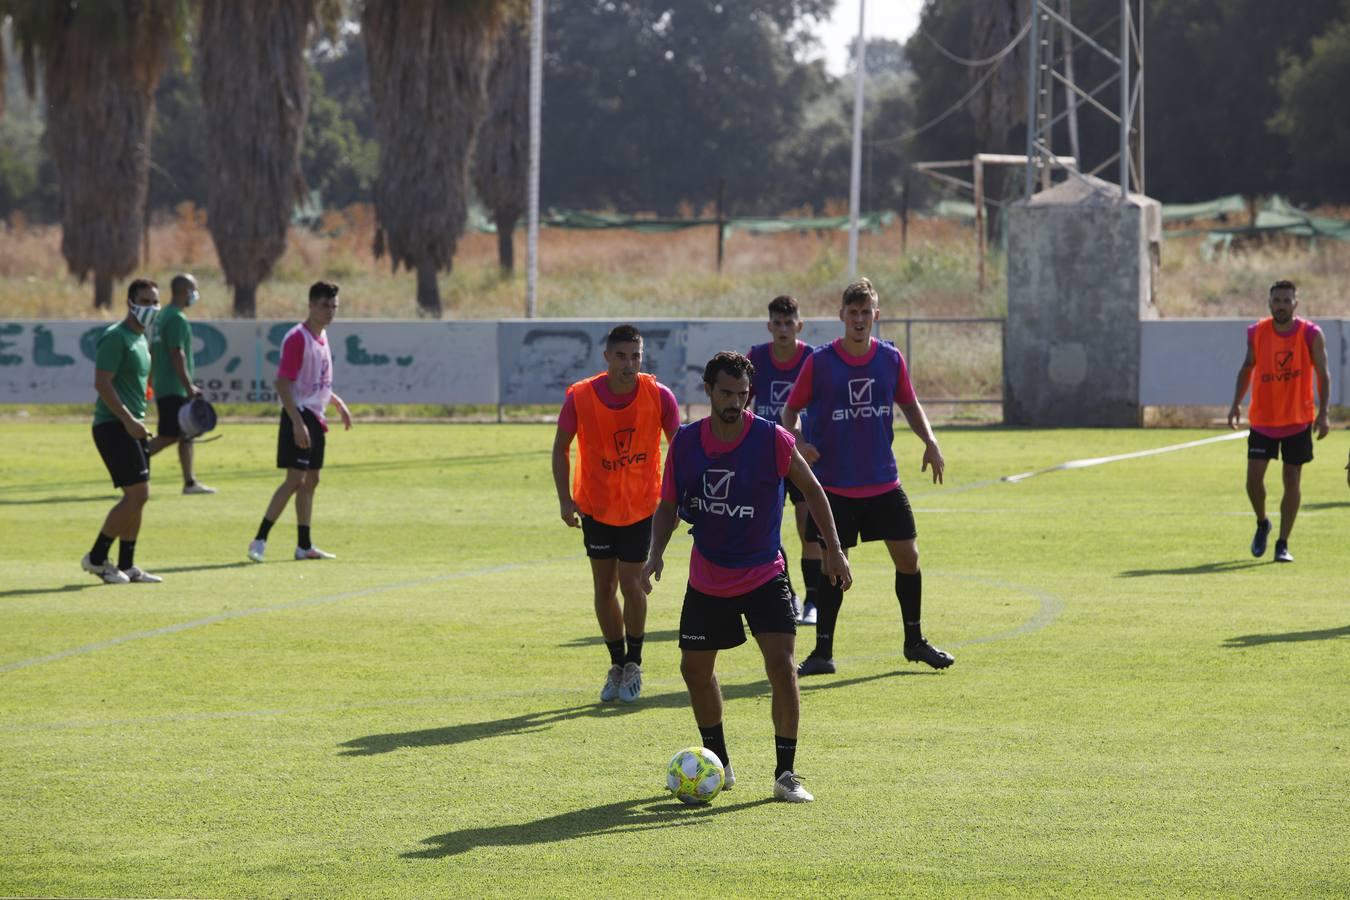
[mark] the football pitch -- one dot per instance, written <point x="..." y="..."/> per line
<point x="1137" y="708"/>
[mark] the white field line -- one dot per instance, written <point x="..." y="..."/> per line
<point x="1102" y="460"/>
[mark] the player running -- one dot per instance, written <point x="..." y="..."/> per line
<point x="848" y="388"/>
<point x="725" y="476"/>
<point x="617" y="418"/>
<point x="305" y="386"/>
<point x="171" y="365"/>
<point x="1283" y="354"/>
<point x="776" y="365"/>
<point x="121" y="369"/>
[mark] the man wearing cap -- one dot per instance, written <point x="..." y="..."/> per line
<point x="171" y="374"/>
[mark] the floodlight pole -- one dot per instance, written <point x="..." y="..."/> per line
<point x="855" y="175"/>
<point x="536" y="109"/>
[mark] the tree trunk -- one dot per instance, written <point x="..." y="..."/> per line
<point x="506" y="245"/>
<point x="428" y="291"/>
<point x="246" y="301"/>
<point x="103" y="284"/>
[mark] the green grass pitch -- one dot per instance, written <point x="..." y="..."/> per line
<point x="1138" y="707"/>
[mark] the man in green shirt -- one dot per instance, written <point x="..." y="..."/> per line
<point x="121" y="367"/>
<point x="172" y="371"/>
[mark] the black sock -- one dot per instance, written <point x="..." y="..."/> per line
<point x="909" y="591"/>
<point x="126" y="554"/>
<point x="634" y="654"/>
<point x="264" y="529"/>
<point x="811" y="578"/>
<point x="714" y="740"/>
<point x="828" y="600"/>
<point x="102" y="544"/>
<point x="303" y="531"/>
<point x="787" y="754"/>
<point x="615" y="652"/>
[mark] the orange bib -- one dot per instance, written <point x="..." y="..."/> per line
<point x="616" y="478"/>
<point x="1282" y="377"/>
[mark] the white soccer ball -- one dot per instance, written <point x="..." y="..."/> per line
<point x="695" y="775"/>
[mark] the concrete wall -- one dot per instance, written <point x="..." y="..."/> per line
<point x="1081" y="267"/>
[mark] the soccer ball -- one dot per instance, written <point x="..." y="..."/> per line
<point x="695" y="775"/>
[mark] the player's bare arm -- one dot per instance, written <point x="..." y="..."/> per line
<point x="343" y="411"/>
<point x="103" y="383"/>
<point x="663" y="526"/>
<point x="178" y="359"/>
<point x="1244" y="378"/>
<point x="287" y="395"/>
<point x="834" y="565"/>
<point x="792" y="422"/>
<point x="1319" y="356"/>
<point x="932" y="454"/>
<point x="562" y="472"/>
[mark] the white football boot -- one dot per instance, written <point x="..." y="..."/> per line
<point x="256" y="549"/>
<point x="108" y="571"/>
<point x="788" y="786"/>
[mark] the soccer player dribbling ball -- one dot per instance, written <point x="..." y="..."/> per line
<point x="725" y="476"/>
<point x="121" y="370"/>
<point x="617" y="418"/>
<point x="305" y="388"/>
<point x="847" y="388"/>
<point x="776" y="366"/>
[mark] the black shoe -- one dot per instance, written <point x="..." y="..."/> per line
<point x="1282" y="553"/>
<point x="926" y="652"/>
<point x="815" y="665"/>
<point x="1259" y="539"/>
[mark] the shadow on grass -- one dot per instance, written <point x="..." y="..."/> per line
<point x="611" y="818"/>
<point x="205" y="567"/>
<point x="35" y="501"/>
<point x="527" y="723"/>
<point x="1330" y="504"/>
<point x="1214" y="568"/>
<point x="652" y="637"/>
<point x="63" y="589"/>
<point x="1289" y="637"/>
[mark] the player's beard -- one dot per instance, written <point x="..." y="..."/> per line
<point x="729" y="415"/>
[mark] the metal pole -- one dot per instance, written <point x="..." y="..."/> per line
<point x="1125" y="116"/>
<point x="855" y="176"/>
<point x="536" y="109"/>
<point x="979" y="216"/>
<point x="1139" y="134"/>
<point x="1071" y="99"/>
<point x="721" y="222"/>
<point x="1033" y="80"/>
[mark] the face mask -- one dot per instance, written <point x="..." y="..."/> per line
<point x="145" y="314"/>
<point x="193" y="296"/>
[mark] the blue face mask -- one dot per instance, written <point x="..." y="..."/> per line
<point x="145" y="314"/>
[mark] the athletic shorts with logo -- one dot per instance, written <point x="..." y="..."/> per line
<point x="168" y="407"/>
<point x="1296" y="449"/>
<point x="714" y="623"/>
<point x="626" y="543"/>
<point x="127" y="459"/>
<point x="290" y="456"/>
<point x="884" y="517"/>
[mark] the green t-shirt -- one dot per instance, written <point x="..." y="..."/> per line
<point x="171" y="330"/>
<point x="127" y="355"/>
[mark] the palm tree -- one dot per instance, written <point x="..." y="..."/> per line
<point x="101" y="61"/>
<point x="255" y="85"/>
<point x="501" y="159"/>
<point x="427" y="61"/>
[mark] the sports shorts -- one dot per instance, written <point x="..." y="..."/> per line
<point x="289" y="456"/>
<point x="626" y="543"/>
<point x="127" y="459"/>
<point x="794" y="493"/>
<point x="168" y="407"/>
<point x="884" y="517"/>
<point x="1296" y="449"/>
<point x="714" y="623"/>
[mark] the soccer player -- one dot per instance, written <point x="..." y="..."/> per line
<point x="848" y="388"/>
<point x="172" y="370"/>
<point x="617" y="418"/>
<point x="725" y="476"/>
<point x="776" y="366"/>
<point x="1283" y="354"/>
<point x="305" y="386"/>
<point x="121" y="369"/>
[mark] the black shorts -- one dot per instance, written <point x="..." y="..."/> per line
<point x="1296" y="449"/>
<point x="168" y="415"/>
<point x="290" y="456"/>
<point x="127" y="459"/>
<point x="794" y="493"/>
<point x="714" y="623"/>
<point x="627" y="543"/>
<point x="885" y="517"/>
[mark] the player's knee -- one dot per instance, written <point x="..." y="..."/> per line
<point x="137" y="494"/>
<point x="695" y="674"/>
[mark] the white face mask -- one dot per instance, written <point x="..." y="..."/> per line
<point x="193" y="296"/>
<point x="145" y="314"/>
